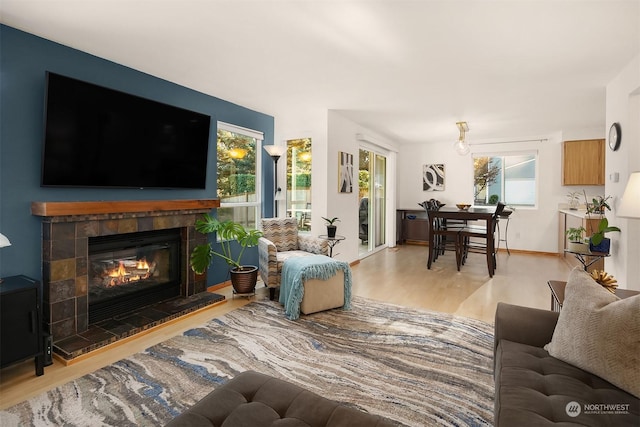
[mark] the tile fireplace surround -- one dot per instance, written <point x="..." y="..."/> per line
<point x="66" y="228"/>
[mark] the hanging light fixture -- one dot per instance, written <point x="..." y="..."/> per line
<point x="461" y="146"/>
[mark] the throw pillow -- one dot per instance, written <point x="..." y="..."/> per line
<point x="599" y="332"/>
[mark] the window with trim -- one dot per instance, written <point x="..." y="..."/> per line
<point x="299" y="182"/>
<point x="237" y="179"/>
<point x="510" y="178"/>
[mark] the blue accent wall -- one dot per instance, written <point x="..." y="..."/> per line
<point x="24" y="59"/>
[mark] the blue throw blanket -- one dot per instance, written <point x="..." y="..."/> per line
<point x="298" y="269"/>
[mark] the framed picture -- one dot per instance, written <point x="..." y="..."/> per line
<point x="433" y="177"/>
<point x="345" y="172"/>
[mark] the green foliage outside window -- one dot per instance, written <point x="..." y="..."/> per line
<point x="302" y="181"/>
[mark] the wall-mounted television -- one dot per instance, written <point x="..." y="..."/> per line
<point x="100" y="137"/>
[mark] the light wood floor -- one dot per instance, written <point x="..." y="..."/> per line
<point x="398" y="276"/>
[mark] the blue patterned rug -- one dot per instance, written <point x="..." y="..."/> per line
<point x="416" y="367"/>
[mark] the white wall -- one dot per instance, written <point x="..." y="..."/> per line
<point x="306" y="124"/>
<point x="530" y="229"/>
<point x="330" y="133"/>
<point x="623" y="106"/>
<point x="342" y="137"/>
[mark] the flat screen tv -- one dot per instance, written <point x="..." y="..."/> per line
<point x="100" y="137"/>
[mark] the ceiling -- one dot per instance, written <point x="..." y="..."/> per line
<point x="407" y="70"/>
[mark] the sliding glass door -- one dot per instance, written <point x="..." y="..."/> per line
<point x="372" y="178"/>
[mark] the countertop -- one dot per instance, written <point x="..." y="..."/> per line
<point x="581" y="213"/>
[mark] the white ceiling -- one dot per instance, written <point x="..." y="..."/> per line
<point x="406" y="69"/>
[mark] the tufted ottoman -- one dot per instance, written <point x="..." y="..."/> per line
<point x="254" y="399"/>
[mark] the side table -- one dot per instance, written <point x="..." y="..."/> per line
<point x="557" y="293"/>
<point x="587" y="258"/>
<point x="332" y="241"/>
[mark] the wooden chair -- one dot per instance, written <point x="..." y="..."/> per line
<point x="445" y="236"/>
<point x="480" y="243"/>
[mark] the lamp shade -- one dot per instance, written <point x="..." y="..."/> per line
<point x="4" y="242"/>
<point x="274" y="150"/>
<point x="630" y="203"/>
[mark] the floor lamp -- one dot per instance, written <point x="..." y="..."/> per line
<point x="275" y="151"/>
<point x="630" y="204"/>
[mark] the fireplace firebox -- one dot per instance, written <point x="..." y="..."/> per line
<point x="132" y="270"/>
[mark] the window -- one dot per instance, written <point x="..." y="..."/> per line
<point x="507" y="178"/>
<point x="299" y="181"/>
<point x="238" y="160"/>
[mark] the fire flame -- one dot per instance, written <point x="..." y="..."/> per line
<point x="120" y="274"/>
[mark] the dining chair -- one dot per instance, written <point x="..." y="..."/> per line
<point x="445" y="236"/>
<point x="475" y="239"/>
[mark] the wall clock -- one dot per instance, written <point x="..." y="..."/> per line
<point x="615" y="134"/>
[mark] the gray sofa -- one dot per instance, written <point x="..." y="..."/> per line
<point x="534" y="389"/>
<point x="254" y="399"/>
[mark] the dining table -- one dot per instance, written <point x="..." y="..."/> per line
<point x="470" y="214"/>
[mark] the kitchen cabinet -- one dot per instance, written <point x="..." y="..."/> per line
<point x="583" y="162"/>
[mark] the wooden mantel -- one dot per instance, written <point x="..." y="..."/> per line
<point x="49" y="209"/>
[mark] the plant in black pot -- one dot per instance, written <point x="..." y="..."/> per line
<point x="243" y="277"/>
<point x="331" y="228"/>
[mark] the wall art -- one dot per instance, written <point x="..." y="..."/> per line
<point x="345" y="172"/>
<point x="433" y="177"/>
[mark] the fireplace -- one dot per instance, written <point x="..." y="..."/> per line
<point x="132" y="270"/>
<point x="81" y="241"/>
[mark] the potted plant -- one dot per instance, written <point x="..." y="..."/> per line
<point x="576" y="239"/>
<point x="574" y="200"/>
<point x="598" y="205"/>
<point x="331" y="228"/>
<point x="597" y="241"/>
<point x="243" y="277"/>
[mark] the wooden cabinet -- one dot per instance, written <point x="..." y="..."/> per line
<point x="575" y="221"/>
<point x="583" y="162"/>
<point x="20" y="322"/>
<point x="413" y="226"/>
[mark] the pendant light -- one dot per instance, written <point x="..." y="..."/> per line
<point x="461" y="146"/>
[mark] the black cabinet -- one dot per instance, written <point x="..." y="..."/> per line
<point x="21" y="322"/>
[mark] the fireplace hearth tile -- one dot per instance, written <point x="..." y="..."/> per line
<point x="111" y="330"/>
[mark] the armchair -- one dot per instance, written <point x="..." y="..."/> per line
<point x="279" y="242"/>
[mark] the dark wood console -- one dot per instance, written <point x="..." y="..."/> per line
<point x="412" y="226"/>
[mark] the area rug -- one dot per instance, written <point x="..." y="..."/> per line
<point x="416" y="367"/>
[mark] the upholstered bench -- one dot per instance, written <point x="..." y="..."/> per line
<point x="254" y="399"/>
<point x="314" y="283"/>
